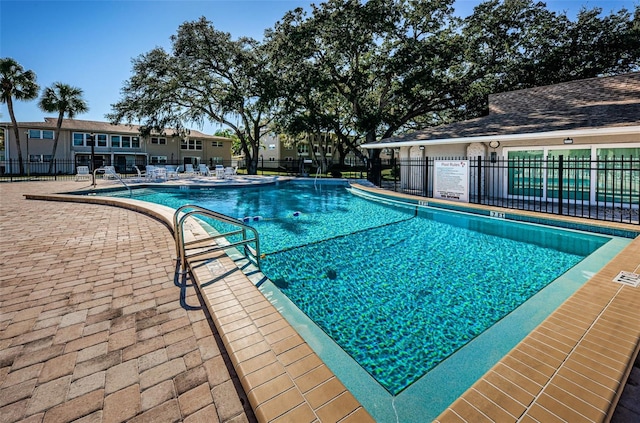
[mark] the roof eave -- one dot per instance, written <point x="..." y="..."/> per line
<point x="618" y="130"/>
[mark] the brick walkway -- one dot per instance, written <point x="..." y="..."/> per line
<point x="92" y="325"/>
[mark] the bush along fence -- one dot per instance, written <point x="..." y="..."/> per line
<point x="603" y="188"/>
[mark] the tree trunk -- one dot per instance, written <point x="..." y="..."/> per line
<point x="16" y="133"/>
<point x="55" y="142"/>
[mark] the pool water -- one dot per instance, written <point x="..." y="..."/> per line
<point x="400" y="289"/>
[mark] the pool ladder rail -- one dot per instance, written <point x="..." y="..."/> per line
<point x="206" y="248"/>
<point x="111" y="173"/>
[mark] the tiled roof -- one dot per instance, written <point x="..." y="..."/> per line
<point x="99" y="127"/>
<point x="585" y="104"/>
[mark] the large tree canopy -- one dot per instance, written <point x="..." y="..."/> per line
<point x="363" y="70"/>
<point x="207" y="77"/>
<point x="374" y="65"/>
<point x="517" y="44"/>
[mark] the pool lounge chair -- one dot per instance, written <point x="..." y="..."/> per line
<point x="82" y="173"/>
<point x="141" y="174"/>
<point x="219" y="172"/>
<point x="204" y="170"/>
<point x="172" y="172"/>
<point x="155" y="173"/>
<point x="189" y="170"/>
<point x="229" y="172"/>
<point x="109" y="172"/>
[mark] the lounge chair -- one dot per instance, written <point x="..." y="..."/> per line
<point x="229" y="172"/>
<point x="172" y="172"/>
<point x="156" y="172"/>
<point x="109" y="172"/>
<point x="204" y="170"/>
<point x="82" y="173"/>
<point x="189" y="170"/>
<point x="219" y="171"/>
<point x="141" y="174"/>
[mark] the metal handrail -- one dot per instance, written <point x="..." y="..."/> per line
<point x="105" y="171"/>
<point x="204" y="245"/>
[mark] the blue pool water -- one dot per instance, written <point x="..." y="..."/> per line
<point x="400" y="289"/>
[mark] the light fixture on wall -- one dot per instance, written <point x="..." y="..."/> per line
<point x="568" y="140"/>
<point x="422" y="148"/>
<point x="494" y="156"/>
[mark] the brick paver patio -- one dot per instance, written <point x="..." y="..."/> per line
<point x="93" y="327"/>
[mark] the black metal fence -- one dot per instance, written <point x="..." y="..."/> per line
<point x="352" y="168"/>
<point x="10" y="170"/>
<point x="603" y="188"/>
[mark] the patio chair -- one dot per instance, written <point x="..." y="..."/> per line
<point x="172" y="172"/>
<point x="82" y="173"/>
<point x="142" y="174"/>
<point x="189" y="170"/>
<point x="150" y="172"/>
<point x="229" y="172"/>
<point x="219" y="172"/>
<point x="204" y="170"/>
<point x="109" y="172"/>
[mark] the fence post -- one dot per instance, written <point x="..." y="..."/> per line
<point x="560" y="178"/>
<point x="426" y="176"/>
<point x="479" y="180"/>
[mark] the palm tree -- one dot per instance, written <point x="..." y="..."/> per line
<point x="66" y="100"/>
<point x="16" y="83"/>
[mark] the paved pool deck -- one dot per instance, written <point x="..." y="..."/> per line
<point x="94" y="326"/>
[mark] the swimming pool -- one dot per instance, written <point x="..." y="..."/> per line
<point x="400" y="289"/>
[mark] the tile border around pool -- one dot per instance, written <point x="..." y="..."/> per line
<point x="571" y="347"/>
<point x="566" y="222"/>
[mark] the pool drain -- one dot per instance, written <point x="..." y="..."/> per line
<point x="628" y="278"/>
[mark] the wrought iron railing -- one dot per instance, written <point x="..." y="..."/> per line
<point x="603" y="188"/>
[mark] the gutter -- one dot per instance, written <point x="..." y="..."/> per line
<point x="621" y="130"/>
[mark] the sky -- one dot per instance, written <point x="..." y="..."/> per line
<point x="90" y="44"/>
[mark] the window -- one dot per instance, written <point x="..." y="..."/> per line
<point x="115" y="141"/>
<point x="158" y="159"/>
<point x="160" y="141"/>
<point x="618" y="178"/>
<point x="576" y="175"/>
<point x="135" y="142"/>
<point x="101" y="140"/>
<point x="303" y="149"/>
<point x="216" y="160"/>
<point x="80" y="139"/>
<point x="41" y="134"/>
<point x="40" y="158"/>
<point x="525" y="172"/>
<point x="217" y="144"/>
<point x="190" y="144"/>
<point x="272" y="146"/>
<point x="126" y="141"/>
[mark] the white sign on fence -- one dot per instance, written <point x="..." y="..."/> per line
<point x="451" y="180"/>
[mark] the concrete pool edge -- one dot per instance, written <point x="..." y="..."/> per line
<point x="622" y="266"/>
